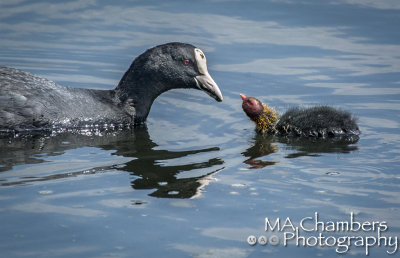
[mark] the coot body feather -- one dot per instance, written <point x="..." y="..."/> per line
<point x="31" y="102"/>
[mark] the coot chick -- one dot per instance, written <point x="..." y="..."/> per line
<point x="319" y="121"/>
<point x="31" y="102"/>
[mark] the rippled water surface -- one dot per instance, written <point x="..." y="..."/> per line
<point x="196" y="181"/>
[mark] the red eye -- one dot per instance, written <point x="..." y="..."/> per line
<point x="186" y="62"/>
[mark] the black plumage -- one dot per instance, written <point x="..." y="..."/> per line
<point x="31" y="102"/>
<point x="319" y="121"/>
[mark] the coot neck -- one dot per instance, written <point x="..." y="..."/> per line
<point x="136" y="93"/>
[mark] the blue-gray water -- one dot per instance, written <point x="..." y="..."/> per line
<point x="197" y="180"/>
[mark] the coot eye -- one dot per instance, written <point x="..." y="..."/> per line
<point x="186" y="62"/>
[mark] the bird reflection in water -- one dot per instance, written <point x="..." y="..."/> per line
<point x="152" y="173"/>
<point x="264" y="145"/>
<point x="146" y="167"/>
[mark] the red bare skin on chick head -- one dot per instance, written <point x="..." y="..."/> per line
<point x="251" y="106"/>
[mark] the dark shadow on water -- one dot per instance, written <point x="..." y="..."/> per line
<point x="147" y="166"/>
<point x="152" y="172"/>
<point x="264" y="145"/>
<point x="315" y="146"/>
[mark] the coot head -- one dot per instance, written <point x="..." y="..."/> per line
<point x="169" y="66"/>
<point x="251" y="106"/>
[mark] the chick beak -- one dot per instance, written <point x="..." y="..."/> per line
<point x="243" y="97"/>
<point x="206" y="83"/>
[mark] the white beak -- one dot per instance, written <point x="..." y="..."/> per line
<point x="204" y="81"/>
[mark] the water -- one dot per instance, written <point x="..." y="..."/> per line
<point x="196" y="181"/>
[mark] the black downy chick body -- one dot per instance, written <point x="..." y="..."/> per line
<point x="320" y="121"/>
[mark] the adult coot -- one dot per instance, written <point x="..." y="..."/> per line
<point x="320" y="121"/>
<point x="30" y="102"/>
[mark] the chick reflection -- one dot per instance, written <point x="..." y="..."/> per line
<point x="264" y="145"/>
<point x="314" y="146"/>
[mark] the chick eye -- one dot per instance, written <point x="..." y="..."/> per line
<point x="186" y="62"/>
